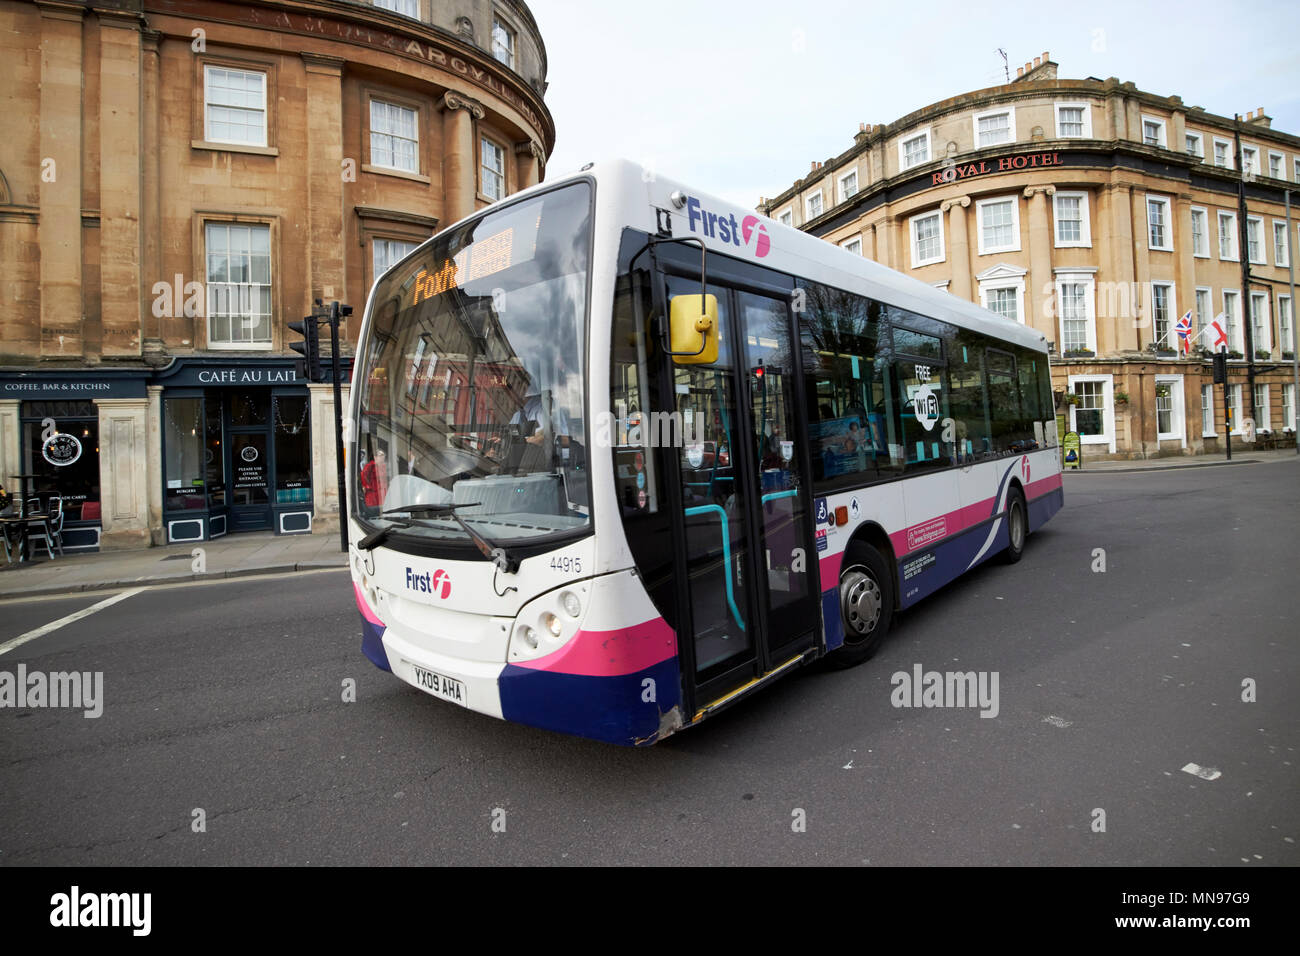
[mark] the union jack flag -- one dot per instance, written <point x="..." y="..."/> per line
<point x="1184" y="329"/>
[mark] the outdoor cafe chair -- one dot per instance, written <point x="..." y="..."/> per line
<point x="48" y="527"/>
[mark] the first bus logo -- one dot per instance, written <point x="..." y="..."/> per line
<point x="438" y="583"/>
<point x="749" y="232"/>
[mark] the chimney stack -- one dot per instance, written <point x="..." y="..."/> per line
<point x="1020" y="71"/>
<point x="1045" y="56"/>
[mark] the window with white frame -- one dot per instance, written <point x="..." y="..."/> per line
<point x="386" y="253"/>
<point x="994" y="127"/>
<point x="1162" y="304"/>
<point x="848" y="185"/>
<point x="1261" y="332"/>
<point x="1073" y="120"/>
<point x="812" y="206"/>
<point x="503" y="42"/>
<point x="1296" y="169"/>
<point x="785" y="217"/>
<point x="394" y="136"/>
<point x="853" y="245"/>
<point x="1207" y="411"/>
<point x="1234" y="407"/>
<point x="1254" y="240"/>
<point x="1004" y="300"/>
<point x="1203" y="315"/>
<point x="1071" y="219"/>
<point x="493" y="169"/>
<point x="998" y="225"/>
<point x="1228" y="236"/>
<point x="1250" y="161"/>
<point x="1153" y="131"/>
<point x="1263" y="418"/>
<point x="407" y="8"/>
<point x="1160" y="230"/>
<point x="234" y="105"/>
<point x="914" y="150"/>
<point x="1288" y="407"/>
<point x="1077" y="310"/>
<point x="1093" y="415"/>
<point x="1285" y="336"/>
<point x="1275" y="165"/>
<point x="1280" y="251"/>
<point x="927" y="238"/>
<point x="238" y="257"/>
<point x="1232" y="319"/>
<point x="1223" y="153"/>
<point x="1200" y="238"/>
<point x="1195" y="144"/>
<point x="1169" y="407"/>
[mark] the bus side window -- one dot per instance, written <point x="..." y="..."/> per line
<point x="1009" y="433"/>
<point x="969" y="410"/>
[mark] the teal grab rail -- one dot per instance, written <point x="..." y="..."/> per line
<point x="774" y="495"/>
<point x="726" y="555"/>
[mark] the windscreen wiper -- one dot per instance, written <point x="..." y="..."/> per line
<point x="499" y="556"/>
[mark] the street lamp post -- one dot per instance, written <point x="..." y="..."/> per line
<point x="1295" y="327"/>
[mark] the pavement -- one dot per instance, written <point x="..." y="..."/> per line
<point x="234" y="555"/>
<point x="267" y="553"/>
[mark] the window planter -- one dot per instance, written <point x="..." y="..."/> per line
<point x="1263" y="354"/>
<point x="1079" y="353"/>
<point x="1234" y="354"/>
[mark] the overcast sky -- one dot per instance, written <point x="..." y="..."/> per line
<point x="737" y="98"/>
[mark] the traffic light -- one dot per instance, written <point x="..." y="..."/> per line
<point x="308" y="366"/>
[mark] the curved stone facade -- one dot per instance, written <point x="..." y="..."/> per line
<point x="1076" y="206"/>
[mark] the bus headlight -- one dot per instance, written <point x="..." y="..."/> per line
<point x="572" y="606"/>
<point x="529" y="636"/>
<point x="552" y="624"/>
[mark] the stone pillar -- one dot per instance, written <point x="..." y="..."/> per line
<point x="151" y="264"/>
<point x="11" y="449"/>
<point x="1140" y="324"/>
<point x="459" y="154"/>
<point x="1040" y="283"/>
<point x="884" y="242"/>
<point x="528" y="163"/>
<point x="325" y="267"/>
<point x="958" y="246"/>
<point x="324" y="470"/>
<point x="121" y="241"/>
<point x="123" y="473"/>
<point x="59" y="232"/>
<point x="154" y="465"/>
<point x="1185" y="293"/>
<point x="1116" y="333"/>
<point x="868" y="243"/>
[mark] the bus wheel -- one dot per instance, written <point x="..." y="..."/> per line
<point x="1017" y="526"/>
<point x="866" y="605"/>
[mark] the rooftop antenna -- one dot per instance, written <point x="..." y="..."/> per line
<point x="1005" y="69"/>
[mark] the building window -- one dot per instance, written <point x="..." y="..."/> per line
<point x="1071" y="214"/>
<point x="1078" y="327"/>
<point x="812" y="206"/>
<point x="234" y="106"/>
<point x="1228" y="236"/>
<point x="1162" y="295"/>
<point x="927" y="239"/>
<point x="1222" y="153"/>
<point x="1073" y="120"/>
<point x="1168" y="408"/>
<point x="853" y="245"/>
<point x="493" y="169"/>
<point x="1093" y="416"/>
<point x="1263" y="420"/>
<point x="1159" y="229"/>
<point x="239" y="284"/>
<point x="1250" y="161"/>
<point x="1153" y="131"/>
<point x="848" y="185"/>
<point x="1202" y="313"/>
<point x="1195" y="144"/>
<point x="394" y="137"/>
<point x="785" y="217"/>
<point x="1288" y="407"/>
<point x="1232" y="319"/>
<point x="915" y="150"/>
<point x="1234" y="407"/>
<point x="1259" y="324"/>
<point x="1280" y="251"/>
<point x="1004" y="300"/>
<point x="1275" y="166"/>
<point x="1200" y="241"/>
<point x="999" y="225"/>
<point x="407" y="8"/>
<point x="1207" y="411"/>
<point x="1254" y="247"/>
<point x="388" y="252"/>
<point x="995" y="127"/>
<point x="1286" y="338"/>
<point x="1296" y="169"/>
<point x="503" y="42"/>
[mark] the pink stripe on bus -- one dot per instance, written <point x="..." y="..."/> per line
<point x="366" y="612"/>
<point x="624" y="650"/>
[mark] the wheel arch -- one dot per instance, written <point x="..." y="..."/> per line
<point x="871" y="533"/>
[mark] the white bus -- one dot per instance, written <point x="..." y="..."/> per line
<point x="622" y="453"/>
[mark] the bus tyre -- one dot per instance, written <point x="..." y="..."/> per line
<point x="1017" y="526"/>
<point x="866" y="605"/>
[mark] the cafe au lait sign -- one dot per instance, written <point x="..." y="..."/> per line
<point x="959" y="171"/>
<point x="246" y="376"/>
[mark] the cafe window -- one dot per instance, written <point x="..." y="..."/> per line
<point x="292" y="450"/>
<point x="61" y="448"/>
<point x="184" y="466"/>
<point x="214" y="462"/>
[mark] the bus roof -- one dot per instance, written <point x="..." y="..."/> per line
<point x="638" y="191"/>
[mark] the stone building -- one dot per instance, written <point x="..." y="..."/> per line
<point x="181" y="178"/>
<point x="1099" y="214"/>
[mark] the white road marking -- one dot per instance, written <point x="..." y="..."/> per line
<point x="1205" y="773"/>
<point x="1057" y="721"/>
<point x="22" y="639"/>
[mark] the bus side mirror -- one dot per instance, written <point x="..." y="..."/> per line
<point x="693" y="329"/>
